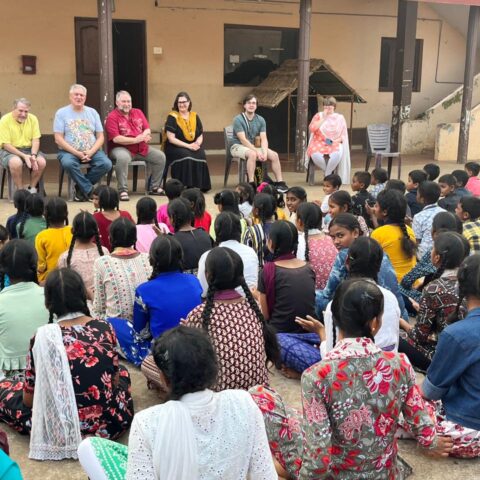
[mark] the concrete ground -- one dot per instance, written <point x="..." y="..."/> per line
<point x="424" y="468"/>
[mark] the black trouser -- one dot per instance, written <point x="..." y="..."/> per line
<point x="417" y="358"/>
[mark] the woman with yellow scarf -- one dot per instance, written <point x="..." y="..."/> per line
<point x="183" y="147"/>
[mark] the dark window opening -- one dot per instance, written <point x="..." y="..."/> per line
<point x="251" y="53"/>
<point x="387" y="65"/>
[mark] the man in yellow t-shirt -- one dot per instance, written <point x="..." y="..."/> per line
<point x="20" y="144"/>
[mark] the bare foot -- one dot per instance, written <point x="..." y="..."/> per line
<point x="290" y="373"/>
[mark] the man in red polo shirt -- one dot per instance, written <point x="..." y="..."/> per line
<point x="129" y="134"/>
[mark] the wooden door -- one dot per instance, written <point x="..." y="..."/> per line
<point x="87" y="59"/>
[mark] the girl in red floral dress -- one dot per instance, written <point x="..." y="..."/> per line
<point x="101" y="386"/>
<point x="352" y="402"/>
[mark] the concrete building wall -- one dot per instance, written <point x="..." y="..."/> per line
<point x="346" y="33"/>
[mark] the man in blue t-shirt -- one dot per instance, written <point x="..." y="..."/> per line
<point x="250" y="142"/>
<point x="79" y="136"/>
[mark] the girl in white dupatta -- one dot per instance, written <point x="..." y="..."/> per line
<point x="328" y="145"/>
<point x="196" y="435"/>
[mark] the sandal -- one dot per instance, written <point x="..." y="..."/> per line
<point x="124" y="196"/>
<point x="157" y="191"/>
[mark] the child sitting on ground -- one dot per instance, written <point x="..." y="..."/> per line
<point x="202" y="219"/>
<point x="84" y="249"/>
<point x="438" y="301"/>
<point x="109" y="204"/>
<point x="19" y="199"/>
<point x="473" y="184"/>
<point x="33" y="222"/>
<point x="147" y="226"/>
<point x="360" y="184"/>
<point x="448" y="196"/>
<point x="461" y="176"/>
<point x="428" y="195"/>
<point x="379" y="181"/>
<point x="415" y="179"/>
<point x="173" y="190"/>
<point x="432" y="170"/>
<point x="341" y="202"/>
<point x="246" y="193"/>
<point x="55" y="239"/>
<point x="468" y="211"/>
<point x="314" y="246"/>
<point x="277" y="196"/>
<point x="295" y="197"/>
<point x="331" y="184"/>
<point x="396" y="238"/>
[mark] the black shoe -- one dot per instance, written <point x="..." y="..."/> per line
<point x="78" y="196"/>
<point x="281" y="187"/>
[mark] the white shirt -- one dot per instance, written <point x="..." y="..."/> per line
<point x="229" y="433"/>
<point x="385" y="337"/>
<point x="245" y="209"/>
<point x="250" y="265"/>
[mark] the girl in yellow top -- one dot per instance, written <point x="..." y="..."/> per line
<point x="269" y="189"/>
<point x="396" y="238"/>
<point x="55" y="240"/>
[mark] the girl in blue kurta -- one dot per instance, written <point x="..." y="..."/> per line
<point x="160" y="303"/>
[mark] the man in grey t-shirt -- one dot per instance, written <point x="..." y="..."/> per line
<point x="246" y="127"/>
<point x="79" y="135"/>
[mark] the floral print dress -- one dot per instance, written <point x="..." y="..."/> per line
<point x="352" y="404"/>
<point x="101" y="385"/>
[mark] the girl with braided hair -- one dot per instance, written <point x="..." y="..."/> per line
<point x="353" y="401"/>
<point x="19" y="198"/>
<point x="33" y="221"/>
<point x="22" y="303"/>
<point x="256" y="235"/>
<point x="160" y="303"/>
<point x="116" y="276"/>
<point x="243" y="341"/>
<point x="194" y="241"/>
<point x="84" y="249"/>
<point x="314" y="246"/>
<point x="73" y="379"/>
<point x="55" y="239"/>
<point x="438" y="301"/>
<point x="396" y="238"/>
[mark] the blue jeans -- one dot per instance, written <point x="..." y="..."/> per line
<point x="99" y="165"/>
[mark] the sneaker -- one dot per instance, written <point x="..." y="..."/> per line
<point x="281" y="187"/>
<point x="32" y="189"/>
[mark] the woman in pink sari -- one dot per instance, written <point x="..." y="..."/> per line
<point x="328" y="146"/>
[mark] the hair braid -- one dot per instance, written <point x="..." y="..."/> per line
<point x="21" y="223"/>
<point x="70" y="250"/>
<point x="307" y="249"/>
<point x="455" y="316"/>
<point x="2" y="280"/>
<point x="272" y="351"/>
<point x="408" y="246"/>
<point x="98" y="243"/>
<point x="207" y="310"/>
<point x="50" y="317"/>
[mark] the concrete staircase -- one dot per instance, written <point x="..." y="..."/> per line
<point x="421" y="135"/>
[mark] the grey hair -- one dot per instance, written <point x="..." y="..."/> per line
<point x="121" y="92"/>
<point x="77" y="86"/>
<point x="21" y="100"/>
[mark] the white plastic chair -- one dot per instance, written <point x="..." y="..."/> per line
<point x="378" y="146"/>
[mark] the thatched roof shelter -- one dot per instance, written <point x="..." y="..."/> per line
<point x="323" y="81"/>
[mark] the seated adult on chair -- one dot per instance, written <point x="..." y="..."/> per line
<point x="251" y="144"/>
<point x="20" y="144"/>
<point x="129" y="134"/>
<point x="328" y="146"/>
<point x="79" y="136"/>
<point x="183" y="146"/>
